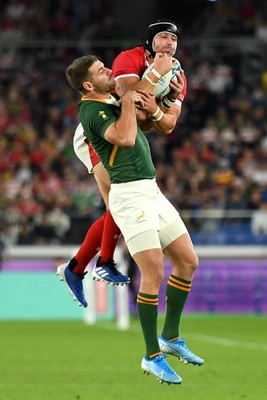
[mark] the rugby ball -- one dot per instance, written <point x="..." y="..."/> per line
<point x="162" y="88"/>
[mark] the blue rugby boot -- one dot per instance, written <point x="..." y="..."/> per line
<point x="74" y="283"/>
<point x="161" y="369"/>
<point x="179" y="349"/>
<point x="107" y="272"/>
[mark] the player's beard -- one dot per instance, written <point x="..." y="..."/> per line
<point x="104" y="87"/>
<point x="166" y="49"/>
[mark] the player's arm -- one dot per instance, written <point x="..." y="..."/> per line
<point x="123" y="131"/>
<point x="162" y="65"/>
<point x="170" y="105"/>
<point x="165" y="122"/>
<point x="177" y="93"/>
<point x="162" y="121"/>
<point x="178" y="86"/>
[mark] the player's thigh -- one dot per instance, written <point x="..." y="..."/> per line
<point x="147" y="254"/>
<point x="175" y="239"/>
<point x="151" y="265"/>
<point x="134" y="207"/>
<point x="182" y="256"/>
<point x="171" y="224"/>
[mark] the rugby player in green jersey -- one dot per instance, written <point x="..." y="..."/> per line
<point x="151" y="226"/>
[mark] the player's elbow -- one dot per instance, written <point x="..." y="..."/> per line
<point x="127" y="142"/>
<point x="167" y="130"/>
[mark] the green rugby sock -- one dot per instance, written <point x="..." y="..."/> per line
<point x="177" y="291"/>
<point x="147" y="305"/>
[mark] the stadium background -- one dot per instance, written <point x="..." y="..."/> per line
<point x="214" y="165"/>
<point x="213" y="168"/>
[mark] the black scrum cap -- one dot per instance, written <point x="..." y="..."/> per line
<point x="156" y="28"/>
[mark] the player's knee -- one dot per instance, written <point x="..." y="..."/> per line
<point x="189" y="263"/>
<point x="194" y="262"/>
<point x="159" y="276"/>
<point x="153" y="278"/>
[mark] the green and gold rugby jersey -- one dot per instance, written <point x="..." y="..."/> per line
<point x="123" y="164"/>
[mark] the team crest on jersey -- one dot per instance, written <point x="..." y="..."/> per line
<point x="140" y="217"/>
<point x="103" y="114"/>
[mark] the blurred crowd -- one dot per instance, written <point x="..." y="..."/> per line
<point x="214" y="161"/>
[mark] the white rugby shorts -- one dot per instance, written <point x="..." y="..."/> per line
<point x="140" y="206"/>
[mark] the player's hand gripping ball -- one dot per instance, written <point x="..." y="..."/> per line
<point x="162" y="88"/>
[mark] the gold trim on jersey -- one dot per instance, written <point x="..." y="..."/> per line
<point x="113" y="155"/>
<point x="112" y="100"/>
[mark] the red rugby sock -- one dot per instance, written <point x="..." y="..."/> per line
<point x="89" y="248"/>
<point x="110" y="238"/>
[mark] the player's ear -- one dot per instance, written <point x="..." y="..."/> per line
<point x="88" y="86"/>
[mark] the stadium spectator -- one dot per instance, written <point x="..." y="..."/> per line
<point x="40" y="72"/>
<point x="60" y="221"/>
<point x="43" y="231"/>
<point x="259" y="219"/>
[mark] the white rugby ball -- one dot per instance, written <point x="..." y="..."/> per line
<point x="162" y="88"/>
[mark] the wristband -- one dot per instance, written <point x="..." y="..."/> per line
<point x="171" y="100"/>
<point x="150" y="81"/>
<point x="156" y="73"/>
<point x="167" y="102"/>
<point x="156" y="112"/>
<point x="159" y="118"/>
